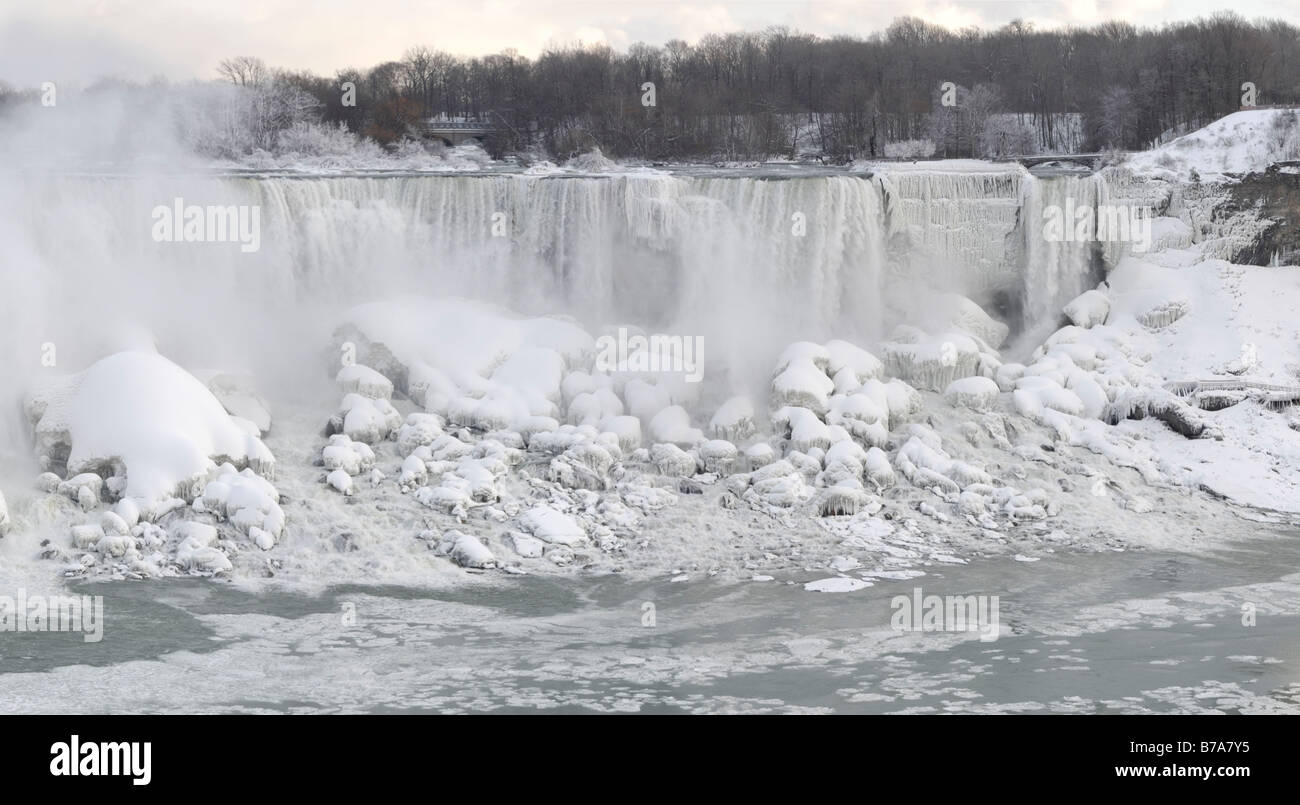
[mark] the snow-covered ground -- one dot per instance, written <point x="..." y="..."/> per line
<point x="1249" y="140"/>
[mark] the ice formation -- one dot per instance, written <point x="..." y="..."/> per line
<point x="486" y="437"/>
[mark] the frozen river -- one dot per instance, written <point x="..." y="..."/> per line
<point x="1107" y="632"/>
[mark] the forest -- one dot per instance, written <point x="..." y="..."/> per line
<point x="914" y="89"/>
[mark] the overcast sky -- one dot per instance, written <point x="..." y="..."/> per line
<point x="79" y="40"/>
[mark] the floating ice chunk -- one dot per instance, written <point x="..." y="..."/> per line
<point x="802" y="384"/>
<point x="549" y="525"/>
<point x="836" y="584"/>
<point x="734" y="420"/>
<point x="1088" y="309"/>
<point x="673" y="425"/>
<point x="358" y="379"/>
<point x="979" y="393"/>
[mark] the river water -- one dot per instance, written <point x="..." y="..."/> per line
<point x="1102" y="632"/>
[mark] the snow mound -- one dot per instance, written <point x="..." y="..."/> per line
<point x="140" y="418"/>
<point x="1238" y="143"/>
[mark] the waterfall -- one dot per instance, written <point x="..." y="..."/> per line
<point x="1058" y="270"/>
<point x="748" y="262"/>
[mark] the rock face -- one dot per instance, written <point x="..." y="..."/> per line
<point x="1274" y="195"/>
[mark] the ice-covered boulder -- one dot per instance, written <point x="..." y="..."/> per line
<point x="718" y="456"/>
<point x="672" y="425"/>
<point x="841" y="355"/>
<point x="803" y="384"/>
<point x="803" y="352"/>
<point x="552" y="526"/>
<point x="354" y="458"/>
<point x="142" y="414"/>
<point x="1088" y="309"/>
<point x="465" y="550"/>
<point x="367" y="420"/>
<point x="803" y="428"/>
<point x="979" y="393"/>
<point x="734" y="420"/>
<point x="358" y="379"/>
<point x="592" y="407"/>
<point x="627" y="429"/>
<point x="673" y="461"/>
<point x="931" y="362"/>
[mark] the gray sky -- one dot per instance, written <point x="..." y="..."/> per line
<point x="78" y="40"/>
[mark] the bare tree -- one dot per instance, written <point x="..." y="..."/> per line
<point x="243" y="71"/>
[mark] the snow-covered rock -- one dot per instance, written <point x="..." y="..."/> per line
<point x="979" y="393"/>
<point x="1088" y="309"/>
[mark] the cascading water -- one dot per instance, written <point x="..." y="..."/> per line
<point x="1058" y="268"/>
<point x="748" y="262"/>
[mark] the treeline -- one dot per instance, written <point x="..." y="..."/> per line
<point x="914" y="89"/>
<point x="753" y="94"/>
